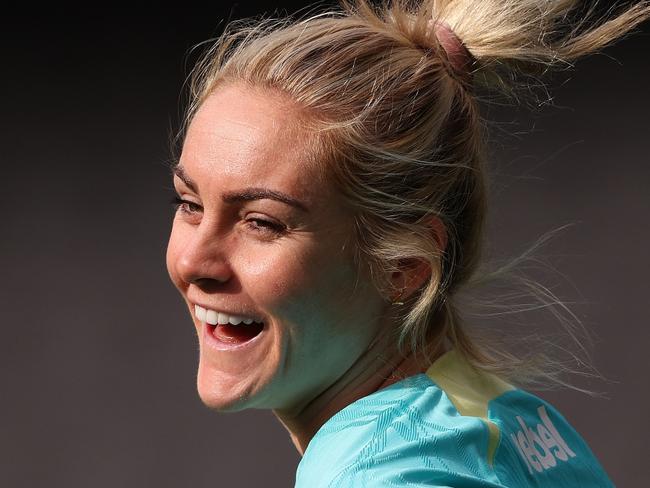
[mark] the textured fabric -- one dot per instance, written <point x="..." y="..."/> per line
<point x="449" y="427"/>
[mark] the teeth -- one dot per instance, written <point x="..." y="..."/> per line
<point x="200" y="313"/>
<point x="234" y="319"/>
<point x="213" y="317"/>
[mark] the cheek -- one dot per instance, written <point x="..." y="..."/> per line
<point x="309" y="285"/>
<point x="270" y="275"/>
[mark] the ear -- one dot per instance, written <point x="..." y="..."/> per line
<point x="413" y="272"/>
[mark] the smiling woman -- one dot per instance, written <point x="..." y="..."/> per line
<point x="331" y="204"/>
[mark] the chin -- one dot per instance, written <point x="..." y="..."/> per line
<point x="220" y="395"/>
<point x="220" y="404"/>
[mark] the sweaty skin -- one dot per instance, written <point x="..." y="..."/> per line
<point x="326" y="340"/>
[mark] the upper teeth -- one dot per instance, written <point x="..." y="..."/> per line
<point x="213" y="317"/>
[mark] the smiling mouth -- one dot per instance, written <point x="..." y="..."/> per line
<point x="235" y="334"/>
<point x="227" y="328"/>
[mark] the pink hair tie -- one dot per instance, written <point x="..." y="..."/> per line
<point x="459" y="57"/>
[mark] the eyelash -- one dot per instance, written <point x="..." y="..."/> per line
<point x="183" y="205"/>
<point x="259" y="225"/>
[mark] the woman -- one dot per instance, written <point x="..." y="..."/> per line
<point x="331" y="201"/>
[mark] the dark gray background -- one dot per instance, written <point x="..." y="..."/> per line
<point x="98" y="356"/>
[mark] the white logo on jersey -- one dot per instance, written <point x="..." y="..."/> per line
<point x="545" y="435"/>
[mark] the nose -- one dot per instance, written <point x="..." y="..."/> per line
<point x="202" y="260"/>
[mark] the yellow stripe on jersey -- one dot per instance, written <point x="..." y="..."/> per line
<point x="470" y="391"/>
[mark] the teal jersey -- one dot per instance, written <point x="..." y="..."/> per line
<point x="449" y="427"/>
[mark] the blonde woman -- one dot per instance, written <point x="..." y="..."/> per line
<point x="331" y="205"/>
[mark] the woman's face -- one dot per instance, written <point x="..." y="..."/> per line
<point x="264" y="237"/>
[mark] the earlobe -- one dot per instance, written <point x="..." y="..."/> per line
<point x="398" y="299"/>
<point x="414" y="272"/>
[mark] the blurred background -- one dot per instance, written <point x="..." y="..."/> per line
<point x="98" y="356"/>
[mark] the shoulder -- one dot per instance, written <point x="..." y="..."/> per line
<point x="539" y="447"/>
<point x="408" y="433"/>
<point x="453" y="426"/>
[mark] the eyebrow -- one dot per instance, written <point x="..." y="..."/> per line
<point x="246" y="194"/>
<point x="179" y="171"/>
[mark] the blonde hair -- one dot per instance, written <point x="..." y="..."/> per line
<point x="400" y="131"/>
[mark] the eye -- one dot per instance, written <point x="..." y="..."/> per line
<point x="185" y="206"/>
<point x="264" y="226"/>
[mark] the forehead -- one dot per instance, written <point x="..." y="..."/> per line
<point x="240" y="135"/>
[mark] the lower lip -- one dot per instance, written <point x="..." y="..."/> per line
<point x="215" y="342"/>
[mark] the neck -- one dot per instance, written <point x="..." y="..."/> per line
<point x="373" y="371"/>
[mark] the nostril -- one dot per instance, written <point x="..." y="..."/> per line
<point x="203" y="280"/>
<point x="208" y="275"/>
<point x="209" y="285"/>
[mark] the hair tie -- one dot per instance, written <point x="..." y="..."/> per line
<point x="459" y="57"/>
